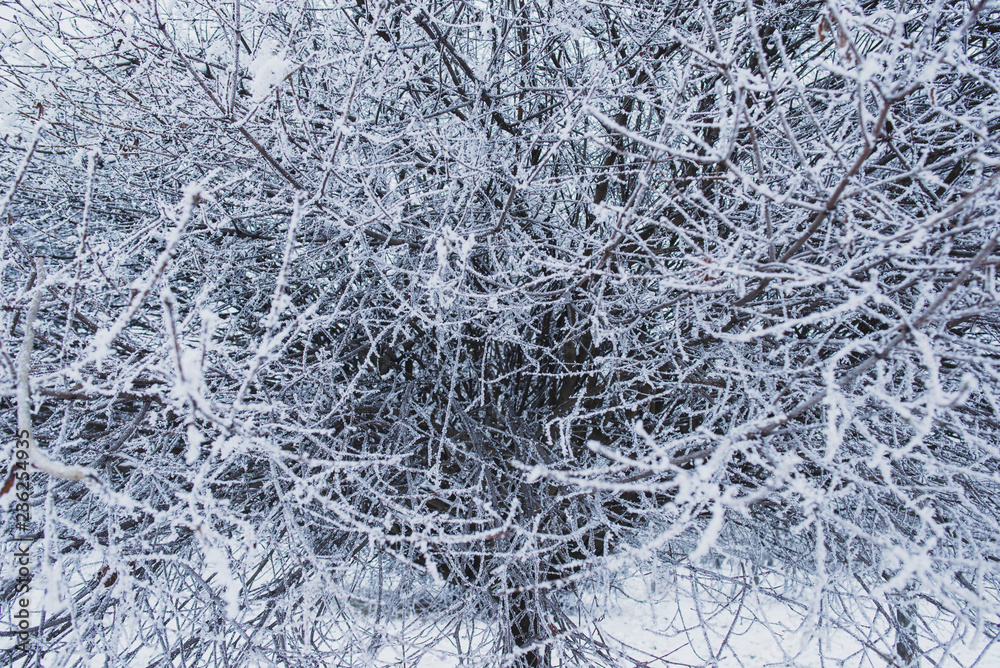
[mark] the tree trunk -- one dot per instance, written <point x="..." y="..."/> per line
<point x="527" y="631"/>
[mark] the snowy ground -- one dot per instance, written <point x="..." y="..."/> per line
<point x="651" y="623"/>
<point x="672" y="618"/>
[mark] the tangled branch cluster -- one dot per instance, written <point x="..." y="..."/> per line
<point x="358" y="324"/>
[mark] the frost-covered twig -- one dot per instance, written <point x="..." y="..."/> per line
<point x="39" y="459"/>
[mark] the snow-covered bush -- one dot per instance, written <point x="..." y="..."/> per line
<point x="369" y="331"/>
